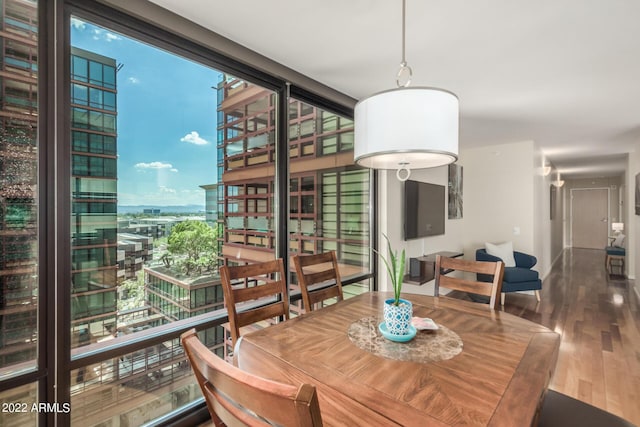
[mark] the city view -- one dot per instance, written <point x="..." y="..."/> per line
<point x="171" y="177"/>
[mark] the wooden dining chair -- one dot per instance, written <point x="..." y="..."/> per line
<point x="445" y="265"/>
<point x="261" y="290"/>
<point x="318" y="277"/>
<point x="236" y="397"/>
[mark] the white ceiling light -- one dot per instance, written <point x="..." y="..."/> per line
<point x="558" y="182"/>
<point x="406" y="128"/>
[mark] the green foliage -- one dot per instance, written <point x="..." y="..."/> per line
<point x="195" y="240"/>
<point x="133" y="292"/>
<point x="395" y="268"/>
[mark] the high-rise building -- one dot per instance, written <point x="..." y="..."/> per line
<point x="211" y="203"/>
<point x="328" y="193"/>
<point x="18" y="169"/>
<point x="94" y="196"/>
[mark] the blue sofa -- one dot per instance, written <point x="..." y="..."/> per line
<point x="518" y="278"/>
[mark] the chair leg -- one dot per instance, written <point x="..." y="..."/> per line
<point x="502" y="298"/>
<point x="537" y="295"/>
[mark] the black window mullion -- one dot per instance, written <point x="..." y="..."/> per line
<point x="60" y="295"/>
<point x="281" y="196"/>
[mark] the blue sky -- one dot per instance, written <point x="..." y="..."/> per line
<point x="166" y="119"/>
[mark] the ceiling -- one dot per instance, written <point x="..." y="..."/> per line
<point x="565" y="74"/>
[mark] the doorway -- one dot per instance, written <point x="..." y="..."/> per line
<point x="589" y="217"/>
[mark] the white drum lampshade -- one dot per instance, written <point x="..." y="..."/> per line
<point x="407" y="128"/>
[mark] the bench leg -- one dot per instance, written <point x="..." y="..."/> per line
<point x="502" y="298"/>
<point x="537" y="295"/>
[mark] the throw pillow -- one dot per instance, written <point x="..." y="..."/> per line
<point x="504" y="251"/>
<point x="619" y="241"/>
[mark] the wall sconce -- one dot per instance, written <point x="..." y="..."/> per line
<point x="558" y="182"/>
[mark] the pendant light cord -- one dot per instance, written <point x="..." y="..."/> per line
<point x="404" y="26"/>
<point x="405" y="72"/>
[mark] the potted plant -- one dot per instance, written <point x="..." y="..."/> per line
<point x="397" y="311"/>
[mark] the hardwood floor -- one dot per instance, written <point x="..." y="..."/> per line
<point x="599" y="320"/>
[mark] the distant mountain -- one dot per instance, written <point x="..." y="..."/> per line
<point x="181" y="209"/>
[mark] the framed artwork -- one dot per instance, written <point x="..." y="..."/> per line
<point x="455" y="191"/>
<point x="638" y="194"/>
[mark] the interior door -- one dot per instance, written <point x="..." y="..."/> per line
<point x="589" y="218"/>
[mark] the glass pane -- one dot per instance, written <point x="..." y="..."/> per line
<point x="246" y="140"/>
<point x="18" y="194"/>
<point x="162" y="194"/>
<point x="138" y="387"/>
<point x="18" y="406"/>
<point x="329" y="206"/>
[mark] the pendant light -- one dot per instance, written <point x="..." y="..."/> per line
<point x="407" y="127"/>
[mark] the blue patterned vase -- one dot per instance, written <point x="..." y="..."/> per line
<point x="398" y="318"/>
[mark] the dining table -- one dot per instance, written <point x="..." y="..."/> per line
<point x="473" y="366"/>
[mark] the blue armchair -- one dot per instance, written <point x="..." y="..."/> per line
<point x="518" y="278"/>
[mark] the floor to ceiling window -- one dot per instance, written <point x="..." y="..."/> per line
<point x="171" y="170"/>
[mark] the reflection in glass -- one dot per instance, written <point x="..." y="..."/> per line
<point x="18" y="191"/>
<point x="137" y="387"/>
<point x="17" y="404"/>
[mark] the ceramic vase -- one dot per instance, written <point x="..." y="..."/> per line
<point x="398" y="317"/>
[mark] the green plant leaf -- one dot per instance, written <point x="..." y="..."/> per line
<point x="400" y="276"/>
<point x="395" y="268"/>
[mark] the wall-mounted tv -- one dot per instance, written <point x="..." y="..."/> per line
<point x="424" y="209"/>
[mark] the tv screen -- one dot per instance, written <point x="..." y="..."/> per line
<point x="423" y="209"/>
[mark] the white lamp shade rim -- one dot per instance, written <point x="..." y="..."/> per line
<point x="409" y="159"/>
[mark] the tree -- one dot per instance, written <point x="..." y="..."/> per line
<point x="133" y="295"/>
<point x="195" y="240"/>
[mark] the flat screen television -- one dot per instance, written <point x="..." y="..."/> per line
<point x="424" y="211"/>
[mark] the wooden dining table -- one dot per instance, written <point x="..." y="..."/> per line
<point x="481" y="367"/>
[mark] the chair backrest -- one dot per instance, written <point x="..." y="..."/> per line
<point x="270" y="286"/>
<point x="312" y="270"/>
<point x="492" y="289"/>
<point x="236" y="397"/>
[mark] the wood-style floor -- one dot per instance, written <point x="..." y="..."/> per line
<point x="599" y="320"/>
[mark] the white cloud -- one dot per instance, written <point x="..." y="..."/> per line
<point x="173" y="170"/>
<point x="194" y="138"/>
<point x="164" y="189"/>
<point x="154" y="165"/>
<point x="133" y="80"/>
<point x="99" y="34"/>
<point x="111" y="37"/>
<point x="78" y="24"/>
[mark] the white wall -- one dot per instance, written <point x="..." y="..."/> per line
<point x="632" y="224"/>
<point x="391" y="193"/>
<point x="503" y="190"/>
<point x="498" y="188"/>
